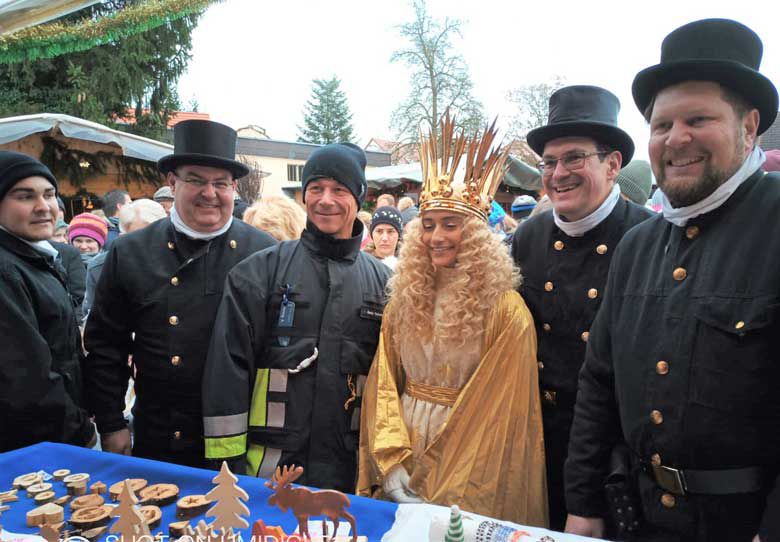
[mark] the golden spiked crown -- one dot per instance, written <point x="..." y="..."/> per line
<point x="484" y="169"/>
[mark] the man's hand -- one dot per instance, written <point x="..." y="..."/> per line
<point x="396" y="486"/>
<point x="117" y="442"/>
<point x="593" y="527"/>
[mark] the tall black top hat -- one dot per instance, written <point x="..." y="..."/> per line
<point x="203" y="143"/>
<point x="583" y="111"/>
<point x="718" y="50"/>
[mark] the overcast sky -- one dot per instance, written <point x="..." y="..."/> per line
<point x="253" y="61"/>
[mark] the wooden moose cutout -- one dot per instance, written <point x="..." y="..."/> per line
<point x="306" y="503"/>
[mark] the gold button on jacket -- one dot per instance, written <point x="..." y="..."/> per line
<point x="558" y="245"/>
<point x="680" y="273"/>
<point x="548" y="286"/>
<point x="662" y="367"/>
<point x="175" y="281"/>
<point x="601" y="249"/>
<point x="173" y="320"/>
<point x="593" y="293"/>
<point x="656" y="417"/>
<point x="175" y="360"/>
<point x="692" y="231"/>
<point x="668" y="500"/>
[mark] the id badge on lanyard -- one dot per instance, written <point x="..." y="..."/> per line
<point x="286" y="314"/>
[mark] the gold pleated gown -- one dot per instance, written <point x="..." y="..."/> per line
<point x="465" y="422"/>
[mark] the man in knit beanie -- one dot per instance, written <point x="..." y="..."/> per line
<point x="87" y="232"/>
<point x="635" y="181"/>
<point x="40" y="366"/>
<point x="325" y="299"/>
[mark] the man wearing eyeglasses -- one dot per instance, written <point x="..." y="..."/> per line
<point x="564" y="254"/>
<point x="157" y="299"/>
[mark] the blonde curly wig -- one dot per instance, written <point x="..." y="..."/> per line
<point x="485" y="271"/>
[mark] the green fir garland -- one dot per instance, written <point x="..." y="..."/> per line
<point x="54" y="39"/>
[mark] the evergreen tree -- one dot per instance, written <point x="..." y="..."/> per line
<point x="137" y="73"/>
<point x="228" y="507"/>
<point x="326" y="117"/>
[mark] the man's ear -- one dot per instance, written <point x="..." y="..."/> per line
<point x="614" y="163"/>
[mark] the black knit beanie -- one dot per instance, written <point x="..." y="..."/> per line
<point x="342" y="162"/>
<point x="15" y="167"/>
<point x="386" y="215"/>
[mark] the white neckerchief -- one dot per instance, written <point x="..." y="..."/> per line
<point x="580" y="227"/>
<point x="44" y="247"/>
<point x="183" y="228"/>
<point x="679" y="216"/>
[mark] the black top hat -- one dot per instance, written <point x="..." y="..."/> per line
<point x="203" y="143"/>
<point x="583" y="111"/>
<point x="719" y="50"/>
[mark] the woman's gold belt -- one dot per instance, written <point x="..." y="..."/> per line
<point x="432" y="394"/>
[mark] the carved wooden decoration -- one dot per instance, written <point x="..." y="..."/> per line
<point x="9" y="496"/>
<point x="306" y="503"/>
<point x="48" y="513"/>
<point x="191" y="506"/>
<point x="49" y="533"/>
<point x="159" y="494"/>
<point x="136" y="485"/>
<point x="44" y="497"/>
<point x="90" y="517"/>
<point x="130" y="523"/>
<point x="228" y="508"/>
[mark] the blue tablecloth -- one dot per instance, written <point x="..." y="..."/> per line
<point x="374" y="518"/>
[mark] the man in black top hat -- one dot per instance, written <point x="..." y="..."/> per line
<point x="295" y="337"/>
<point x="564" y="254"/>
<point x="683" y="361"/>
<point x="157" y="297"/>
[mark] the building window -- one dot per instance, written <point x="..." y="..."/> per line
<point x="294" y="173"/>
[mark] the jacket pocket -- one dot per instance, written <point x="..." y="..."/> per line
<point x="734" y="365"/>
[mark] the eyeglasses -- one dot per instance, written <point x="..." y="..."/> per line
<point x="571" y="161"/>
<point x="200" y="184"/>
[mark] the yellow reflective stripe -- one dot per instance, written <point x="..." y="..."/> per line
<point x="222" y="447"/>
<point x="258" y="416"/>
<point x="254" y="457"/>
<point x="257" y="411"/>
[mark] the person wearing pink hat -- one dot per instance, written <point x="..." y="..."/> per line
<point x="87" y="232"/>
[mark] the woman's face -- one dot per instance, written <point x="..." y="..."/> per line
<point x="442" y="234"/>
<point x="86" y="245"/>
<point x="385" y="238"/>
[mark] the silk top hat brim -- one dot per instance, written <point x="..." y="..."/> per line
<point x="600" y="132"/>
<point x="203" y="143"/>
<point x="583" y="111"/>
<point x="717" y="50"/>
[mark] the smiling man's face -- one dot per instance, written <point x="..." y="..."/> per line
<point x="697" y="140"/>
<point x="576" y="194"/>
<point x="29" y="209"/>
<point x="331" y="207"/>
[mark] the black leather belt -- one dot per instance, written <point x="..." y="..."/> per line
<point x="707" y="482"/>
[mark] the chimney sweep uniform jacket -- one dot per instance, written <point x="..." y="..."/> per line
<point x="563" y="285"/>
<point x="156" y="299"/>
<point x="40" y="363"/>
<point x="260" y="402"/>
<point x="683" y="365"/>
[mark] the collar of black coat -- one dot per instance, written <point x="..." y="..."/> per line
<point x="597" y="230"/>
<point x="22" y="249"/>
<point x="327" y="246"/>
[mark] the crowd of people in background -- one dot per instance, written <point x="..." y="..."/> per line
<point x="599" y="357"/>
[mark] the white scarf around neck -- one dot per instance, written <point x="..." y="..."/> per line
<point x="679" y="216"/>
<point x="580" y="227"/>
<point x="44" y="247"/>
<point x="184" y="229"/>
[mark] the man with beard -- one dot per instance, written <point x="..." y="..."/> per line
<point x="157" y="297"/>
<point x="295" y="337"/>
<point x="564" y="254"/>
<point x="682" y="363"/>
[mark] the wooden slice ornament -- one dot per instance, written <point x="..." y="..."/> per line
<point x="159" y="494"/>
<point x="60" y="474"/>
<point x="26" y="480"/>
<point x="152" y="515"/>
<point x="44" y="497"/>
<point x="87" y="518"/>
<point x="79" y="478"/>
<point x="47" y="513"/>
<point x="62" y="501"/>
<point x="9" y="496"/>
<point x="136" y="485"/>
<point x="40" y="487"/>
<point x="98" y="488"/>
<point x="192" y="506"/>
<point x="86" y="501"/>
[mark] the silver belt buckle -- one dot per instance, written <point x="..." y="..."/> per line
<point x="672" y="480"/>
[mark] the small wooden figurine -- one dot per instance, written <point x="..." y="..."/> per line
<point x="306" y="503"/>
<point x="49" y="533"/>
<point x="130" y="523"/>
<point x="47" y="513"/>
<point x="228" y="508"/>
<point x="9" y="496"/>
<point x="98" y="488"/>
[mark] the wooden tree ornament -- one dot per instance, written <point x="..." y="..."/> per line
<point x="228" y="508"/>
<point x="130" y="523"/>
